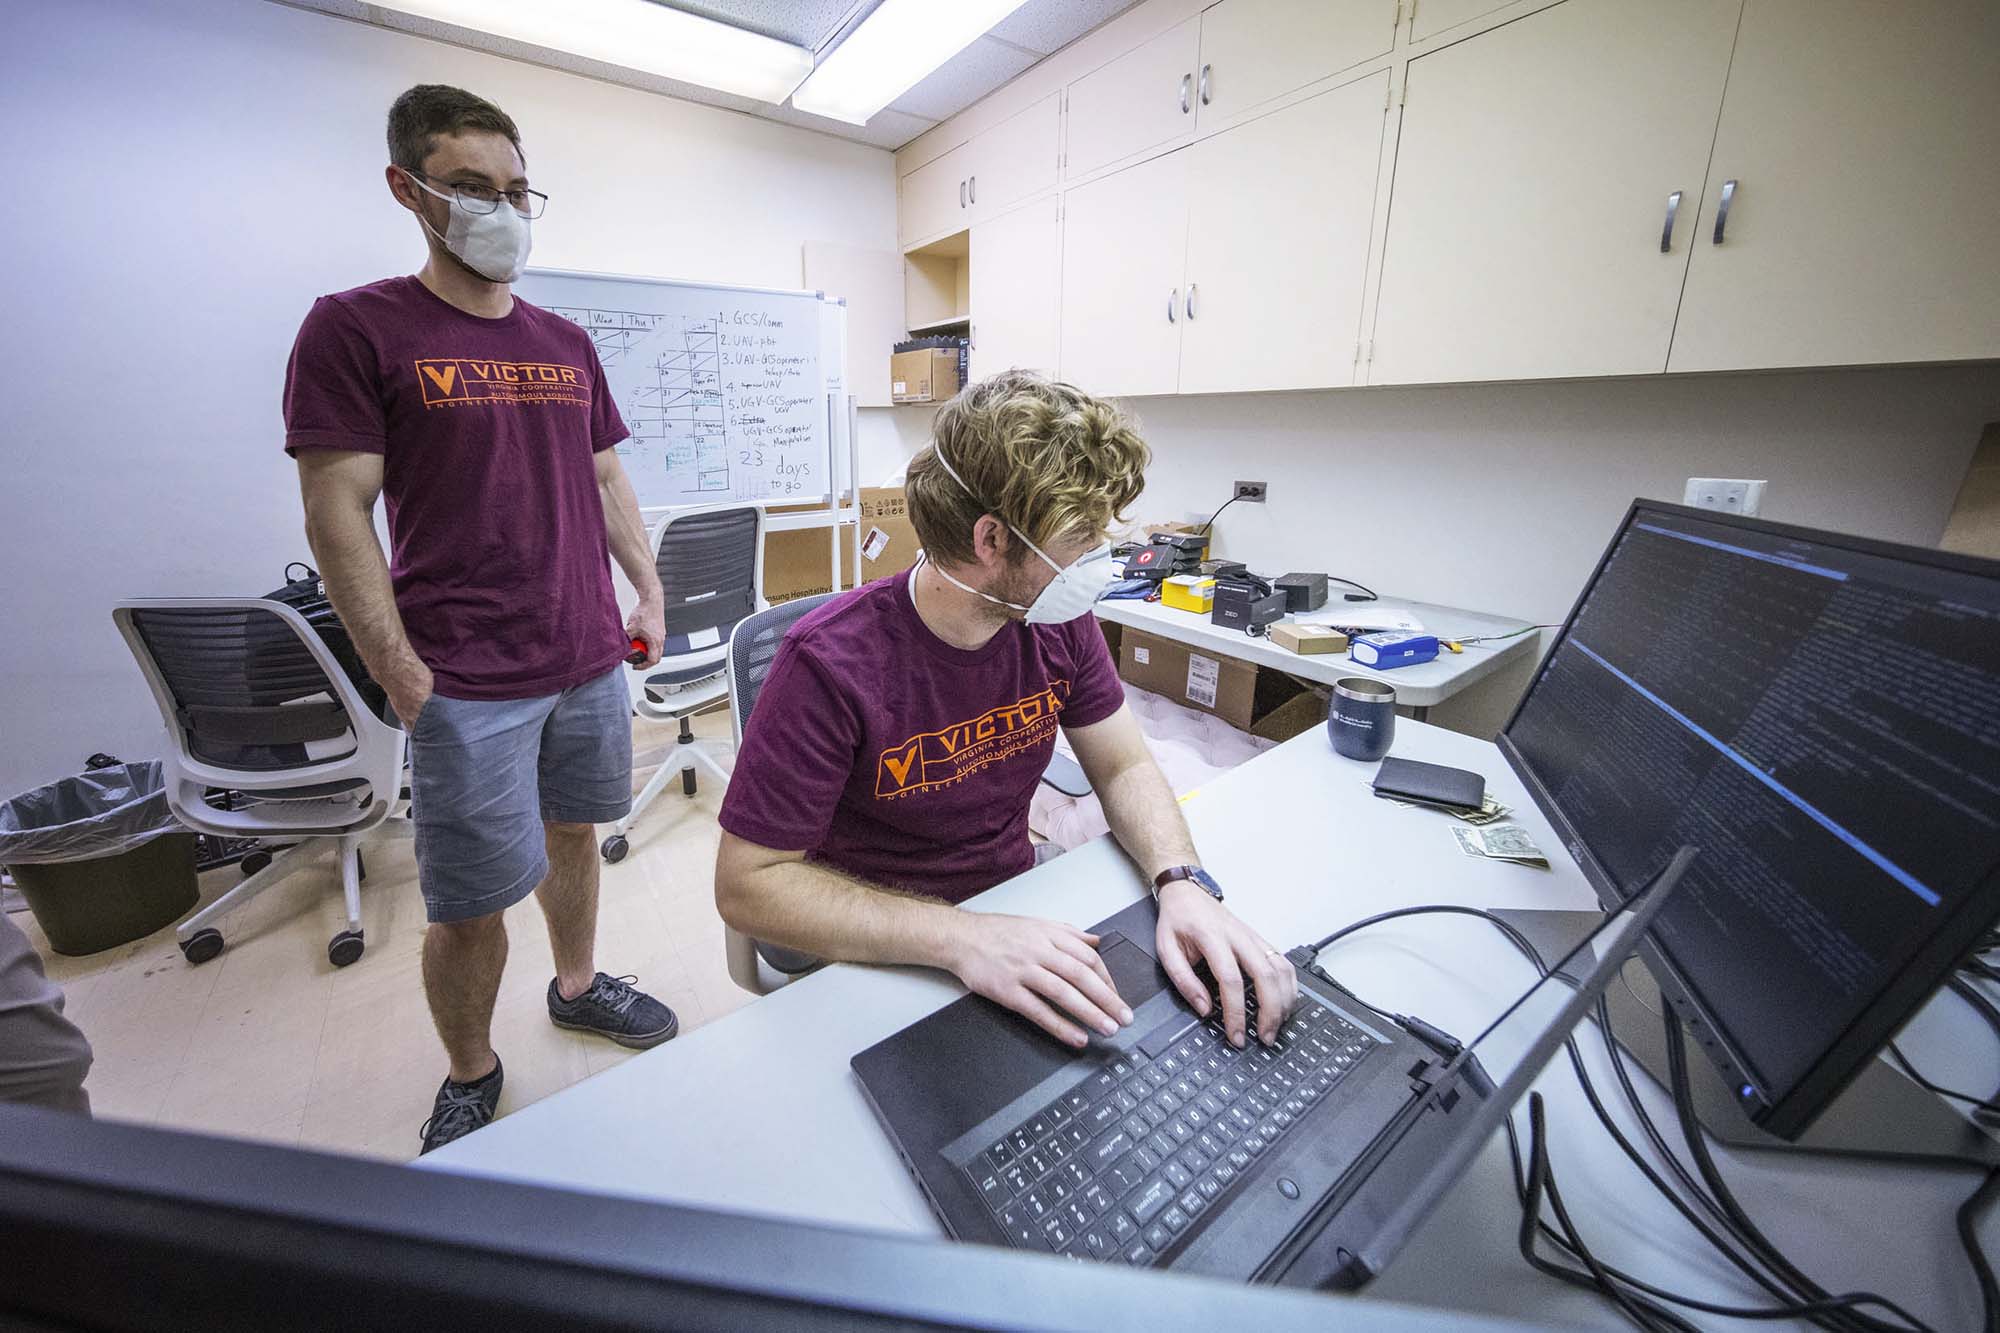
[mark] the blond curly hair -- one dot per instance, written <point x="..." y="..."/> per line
<point x="1046" y="458"/>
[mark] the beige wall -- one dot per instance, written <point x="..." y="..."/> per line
<point x="1974" y="526"/>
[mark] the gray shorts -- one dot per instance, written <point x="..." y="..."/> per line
<point x="485" y="774"/>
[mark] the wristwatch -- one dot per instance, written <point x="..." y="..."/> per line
<point x="1193" y="874"/>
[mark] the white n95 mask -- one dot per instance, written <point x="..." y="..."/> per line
<point x="494" y="245"/>
<point x="1071" y="593"/>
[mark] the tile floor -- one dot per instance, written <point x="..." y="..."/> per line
<point x="271" y="1041"/>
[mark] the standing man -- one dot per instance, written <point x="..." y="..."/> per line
<point x="886" y="771"/>
<point x="487" y="425"/>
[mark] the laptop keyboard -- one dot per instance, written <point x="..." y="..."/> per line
<point x="1121" y="1166"/>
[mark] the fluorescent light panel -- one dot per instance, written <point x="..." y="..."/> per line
<point x="891" y="52"/>
<point x="638" y="35"/>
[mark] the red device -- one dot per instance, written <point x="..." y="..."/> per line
<point x="638" y="654"/>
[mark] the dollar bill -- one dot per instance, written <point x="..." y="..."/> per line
<point x="1501" y="842"/>
<point x="1488" y="811"/>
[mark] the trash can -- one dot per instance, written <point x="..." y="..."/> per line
<point x="99" y="857"/>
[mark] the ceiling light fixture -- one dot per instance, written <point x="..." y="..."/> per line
<point x="638" y="35"/>
<point x="892" y="51"/>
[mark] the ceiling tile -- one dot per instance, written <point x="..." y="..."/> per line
<point x="806" y="23"/>
<point x="964" y="79"/>
<point x="886" y="129"/>
<point x="1043" y="26"/>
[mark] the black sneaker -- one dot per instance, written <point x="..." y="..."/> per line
<point x="613" y="1007"/>
<point x="461" y="1108"/>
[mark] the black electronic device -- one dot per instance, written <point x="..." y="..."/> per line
<point x="1150" y="562"/>
<point x="117" y="1226"/>
<point x="1429" y="784"/>
<point x="1246" y="602"/>
<point x="1166" y="555"/>
<point x="1818" y="712"/>
<point x="1371" y="1118"/>
<point x="1303" y="592"/>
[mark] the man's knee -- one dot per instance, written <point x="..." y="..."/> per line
<point x="470" y="931"/>
<point x="557" y="831"/>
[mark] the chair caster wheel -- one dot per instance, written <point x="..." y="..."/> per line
<point x="614" y="849"/>
<point x="687" y="781"/>
<point x="201" y="946"/>
<point x="253" y="862"/>
<point x="344" y="948"/>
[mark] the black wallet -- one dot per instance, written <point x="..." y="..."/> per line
<point x="1430" y="784"/>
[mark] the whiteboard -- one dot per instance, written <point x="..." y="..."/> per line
<point x="725" y="389"/>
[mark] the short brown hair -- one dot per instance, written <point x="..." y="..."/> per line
<point x="430" y="109"/>
<point x="1046" y="458"/>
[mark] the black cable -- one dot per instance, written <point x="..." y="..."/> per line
<point x="1828" y="1311"/>
<point x="1977" y="1103"/>
<point x="1217" y="514"/>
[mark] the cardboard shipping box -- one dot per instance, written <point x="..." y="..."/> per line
<point x="1300" y="637"/>
<point x="928" y="375"/>
<point x="796" y="563"/>
<point x="1227" y="687"/>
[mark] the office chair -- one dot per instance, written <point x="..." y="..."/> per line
<point x="256" y="703"/>
<point x="755" y="966"/>
<point x="711" y="563"/>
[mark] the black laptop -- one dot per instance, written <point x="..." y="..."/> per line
<point x="1307" y="1163"/>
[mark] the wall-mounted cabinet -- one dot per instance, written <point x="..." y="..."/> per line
<point x="1861" y="159"/>
<point x="1276" y="194"/>
<point x="1537" y="166"/>
<point x="1255" y="50"/>
<point x="1141" y="100"/>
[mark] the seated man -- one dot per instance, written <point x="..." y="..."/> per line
<point x="887" y="768"/>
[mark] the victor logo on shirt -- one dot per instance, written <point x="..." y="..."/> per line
<point x="462" y="381"/>
<point x="939" y="758"/>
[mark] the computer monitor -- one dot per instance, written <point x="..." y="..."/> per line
<point x="1820" y="714"/>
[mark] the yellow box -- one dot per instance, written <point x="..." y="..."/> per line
<point x="1185" y="592"/>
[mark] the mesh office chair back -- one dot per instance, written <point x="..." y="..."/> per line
<point x="247" y="693"/>
<point x="708" y="564"/>
<point x="754" y="646"/>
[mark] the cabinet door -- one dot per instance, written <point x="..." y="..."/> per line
<point x="1142" y="99"/>
<point x="1531" y="190"/>
<point x="1016" y="285"/>
<point x="1866" y="155"/>
<point x="1014" y="159"/>
<point x="1255" y="50"/>
<point x="933" y="199"/>
<point x="1124" y="247"/>
<point x="1278" y="223"/>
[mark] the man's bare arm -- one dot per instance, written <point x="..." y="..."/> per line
<point x="1034" y="967"/>
<point x="626" y="531"/>
<point x="1138" y="803"/>
<point x="339" y="489"/>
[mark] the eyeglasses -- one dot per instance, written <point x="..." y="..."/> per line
<point x="477" y="198"/>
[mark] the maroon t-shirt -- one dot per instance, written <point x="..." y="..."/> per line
<point x="883" y="751"/>
<point x="487" y="430"/>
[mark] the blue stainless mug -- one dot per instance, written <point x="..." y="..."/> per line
<point x="1362" y="717"/>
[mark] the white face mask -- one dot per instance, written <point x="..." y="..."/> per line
<point x="494" y="245"/>
<point x="1072" y="592"/>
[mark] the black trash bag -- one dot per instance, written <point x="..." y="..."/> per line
<point x="306" y="594"/>
<point x="97" y="814"/>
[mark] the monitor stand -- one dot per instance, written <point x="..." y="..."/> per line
<point x="1881" y="1114"/>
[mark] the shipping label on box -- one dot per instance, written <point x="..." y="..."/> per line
<point x="1202" y="674"/>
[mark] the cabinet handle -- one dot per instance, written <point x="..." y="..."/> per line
<point x="1187" y="89"/>
<point x="961" y="194"/>
<point x="1192" y="288"/>
<point x="1667" y="232"/>
<point x="1722" y="209"/>
<point x="972" y="190"/>
<point x="1173" y="300"/>
<point x="1204" y="83"/>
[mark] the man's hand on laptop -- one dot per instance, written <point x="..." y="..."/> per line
<point x="1195" y="928"/>
<point x="1046" y="971"/>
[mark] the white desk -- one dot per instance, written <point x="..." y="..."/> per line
<point x="1418" y="686"/>
<point x="759" y="1112"/>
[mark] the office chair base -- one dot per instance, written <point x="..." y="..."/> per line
<point x="614" y="849"/>
<point x="201" y="946"/>
<point x="683" y="757"/>
<point x="345" y="948"/>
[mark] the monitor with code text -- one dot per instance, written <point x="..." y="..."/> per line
<point x="1820" y="715"/>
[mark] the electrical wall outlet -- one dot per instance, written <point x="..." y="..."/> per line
<point x="1250" y="490"/>
<point x="1728" y="494"/>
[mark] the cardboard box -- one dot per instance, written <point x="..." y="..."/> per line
<point x="1185" y="592"/>
<point x="796" y="564"/>
<point x="1303" y="712"/>
<point x="929" y="375"/>
<point x="1307" y="639"/>
<point x="1223" y="686"/>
